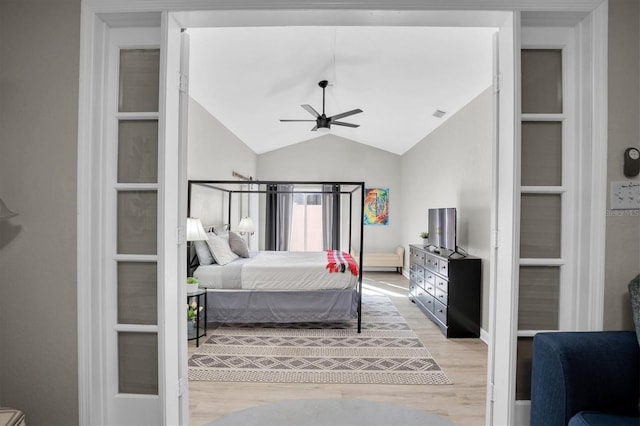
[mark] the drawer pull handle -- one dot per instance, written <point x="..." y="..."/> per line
<point x="441" y="296"/>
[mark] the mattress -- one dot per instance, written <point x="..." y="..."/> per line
<point x="276" y="270"/>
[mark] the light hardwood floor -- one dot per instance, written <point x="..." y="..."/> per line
<point x="463" y="360"/>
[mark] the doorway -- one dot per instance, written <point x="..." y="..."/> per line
<point x="96" y="24"/>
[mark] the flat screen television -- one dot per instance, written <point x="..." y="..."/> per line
<point x="442" y="228"/>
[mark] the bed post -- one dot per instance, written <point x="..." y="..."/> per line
<point x="350" y="218"/>
<point x="360" y="260"/>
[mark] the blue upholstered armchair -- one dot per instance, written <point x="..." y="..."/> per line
<point x="585" y="378"/>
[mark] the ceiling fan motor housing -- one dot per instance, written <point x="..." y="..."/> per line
<point x="323" y="122"/>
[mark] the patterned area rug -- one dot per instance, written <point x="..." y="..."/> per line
<point x="386" y="352"/>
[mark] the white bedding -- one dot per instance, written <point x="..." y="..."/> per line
<point x="276" y="270"/>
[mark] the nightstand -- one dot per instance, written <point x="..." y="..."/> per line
<point x="198" y="327"/>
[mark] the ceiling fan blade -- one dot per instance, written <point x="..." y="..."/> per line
<point x="314" y="128"/>
<point x="345" y="114"/>
<point x="296" y="120"/>
<point x="310" y="110"/>
<point x="342" y="123"/>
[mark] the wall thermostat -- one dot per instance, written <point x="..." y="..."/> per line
<point x="631" y="162"/>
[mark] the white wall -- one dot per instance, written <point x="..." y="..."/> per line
<point x="213" y="154"/>
<point x="39" y="63"/>
<point x="451" y="167"/>
<point x="332" y="158"/>
<point x="623" y="226"/>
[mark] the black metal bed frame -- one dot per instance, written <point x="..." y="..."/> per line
<point x="215" y="184"/>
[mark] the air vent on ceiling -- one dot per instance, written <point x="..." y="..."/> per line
<point x="439" y="113"/>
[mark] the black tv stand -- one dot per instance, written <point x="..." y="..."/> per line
<point x="447" y="290"/>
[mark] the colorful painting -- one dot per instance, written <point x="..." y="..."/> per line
<point x="376" y="206"/>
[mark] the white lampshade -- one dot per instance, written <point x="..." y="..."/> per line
<point x="246" y="225"/>
<point x="5" y="213"/>
<point x="195" y="230"/>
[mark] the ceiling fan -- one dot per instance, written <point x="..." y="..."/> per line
<point x="324" y="122"/>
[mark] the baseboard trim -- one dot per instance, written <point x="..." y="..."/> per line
<point x="484" y="336"/>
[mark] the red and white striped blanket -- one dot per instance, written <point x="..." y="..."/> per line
<point x="339" y="261"/>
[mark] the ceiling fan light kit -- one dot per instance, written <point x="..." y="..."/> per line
<point x="323" y="123"/>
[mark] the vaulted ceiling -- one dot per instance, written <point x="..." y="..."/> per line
<point x="250" y="78"/>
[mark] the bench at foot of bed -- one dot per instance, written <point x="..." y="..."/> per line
<point x="382" y="260"/>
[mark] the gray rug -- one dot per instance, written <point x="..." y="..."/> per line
<point x="386" y="352"/>
<point x="330" y="412"/>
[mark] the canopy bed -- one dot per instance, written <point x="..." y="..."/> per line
<point x="278" y="284"/>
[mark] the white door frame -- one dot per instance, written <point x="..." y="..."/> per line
<point x="96" y="17"/>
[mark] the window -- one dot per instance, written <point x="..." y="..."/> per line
<point x="306" y="223"/>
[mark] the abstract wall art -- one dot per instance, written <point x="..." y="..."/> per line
<point x="376" y="206"/>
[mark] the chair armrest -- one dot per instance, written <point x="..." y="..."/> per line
<point x="400" y="251"/>
<point x="576" y="371"/>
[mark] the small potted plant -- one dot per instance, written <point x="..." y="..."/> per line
<point x="192" y="284"/>
<point x="425" y="238"/>
<point x="192" y="313"/>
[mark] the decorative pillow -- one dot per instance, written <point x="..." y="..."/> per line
<point x="224" y="234"/>
<point x="220" y="250"/>
<point x="238" y="245"/>
<point x="202" y="250"/>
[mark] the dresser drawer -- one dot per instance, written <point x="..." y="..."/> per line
<point x="417" y="257"/>
<point x="431" y="289"/>
<point x="413" y="290"/>
<point x="420" y="281"/>
<point x="440" y="311"/>
<point x="431" y="262"/>
<point x="426" y="300"/>
<point x="442" y="296"/>
<point x="442" y="284"/>
<point x="443" y="267"/>
<point x="428" y="262"/>
<point x="429" y="277"/>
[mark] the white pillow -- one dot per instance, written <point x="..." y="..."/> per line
<point x="220" y="250"/>
<point x="202" y="251"/>
<point x="238" y="244"/>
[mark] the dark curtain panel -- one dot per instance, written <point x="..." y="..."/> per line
<point x="279" y="207"/>
<point x="331" y="217"/>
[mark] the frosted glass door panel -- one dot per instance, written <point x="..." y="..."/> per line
<point x="540" y="226"/>
<point x="137" y="222"/>
<point x="137" y="293"/>
<point x="539" y="298"/>
<point x="541" y="81"/>
<point x="523" y="374"/>
<point x="139" y="80"/>
<point x="541" y="153"/>
<point x="138" y="363"/>
<point x="138" y="151"/>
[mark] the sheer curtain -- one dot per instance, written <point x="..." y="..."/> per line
<point x="279" y="201"/>
<point x="331" y="217"/>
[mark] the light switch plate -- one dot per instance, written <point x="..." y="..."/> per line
<point x="625" y="195"/>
